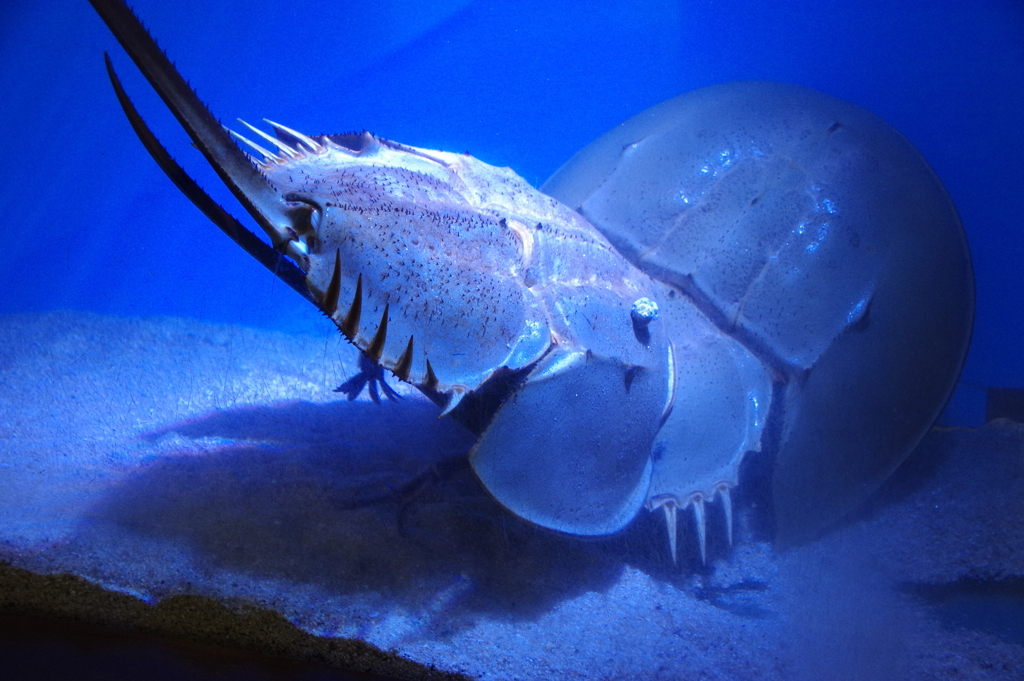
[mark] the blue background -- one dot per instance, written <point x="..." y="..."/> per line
<point x="90" y="223"/>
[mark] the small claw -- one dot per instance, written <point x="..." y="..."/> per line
<point x="370" y="374"/>
<point x="352" y="387"/>
<point x="388" y="391"/>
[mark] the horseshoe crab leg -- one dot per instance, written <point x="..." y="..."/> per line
<point x="284" y="221"/>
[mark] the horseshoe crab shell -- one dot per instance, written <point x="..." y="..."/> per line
<point x="816" y="236"/>
<point x="812" y="271"/>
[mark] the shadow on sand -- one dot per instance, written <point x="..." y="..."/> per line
<point x="352" y="499"/>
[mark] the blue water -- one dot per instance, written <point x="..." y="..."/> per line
<point x="91" y="224"/>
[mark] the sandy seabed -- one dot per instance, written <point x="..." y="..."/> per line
<point x="160" y="457"/>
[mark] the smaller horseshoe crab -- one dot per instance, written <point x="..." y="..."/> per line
<point x="745" y="256"/>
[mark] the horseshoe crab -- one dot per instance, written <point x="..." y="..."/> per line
<point x="747" y="259"/>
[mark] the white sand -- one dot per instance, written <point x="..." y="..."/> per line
<point x="167" y="456"/>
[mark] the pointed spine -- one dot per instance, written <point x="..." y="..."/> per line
<point x="404" y="363"/>
<point x="267" y="154"/>
<point x="669" y="507"/>
<point x="273" y="140"/>
<point x="350" y="326"/>
<point x="430" y="382"/>
<point x="702" y="528"/>
<point x="306" y="139"/>
<point x="329" y="304"/>
<point x="723" y="493"/>
<point x="376" y="347"/>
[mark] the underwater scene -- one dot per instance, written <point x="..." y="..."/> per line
<point x="743" y="400"/>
